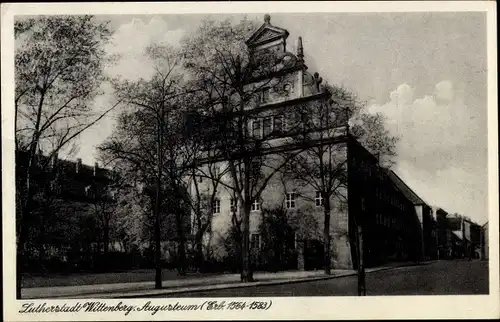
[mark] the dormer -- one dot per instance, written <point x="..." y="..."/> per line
<point x="268" y="37"/>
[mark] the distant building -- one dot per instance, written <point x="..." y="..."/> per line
<point x="66" y="180"/>
<point x="444" y="235"/>
<point x="484" y="242"/>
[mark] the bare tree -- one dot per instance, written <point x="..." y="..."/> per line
<point x="233" y="78"/>
<point x="59" y="62"/>
<point x="322" y="165"/>
<point x="148" y="142"/>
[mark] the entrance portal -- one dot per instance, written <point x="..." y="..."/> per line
<point x="313" y="255"/>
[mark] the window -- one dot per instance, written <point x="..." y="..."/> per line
<point x="216" y="206"/>
<point x="265" y="95"/>
<point x="89" y="192"/>
<point x="279" y="124"/>
<point x="255" y="205"/>
<point x="55" y="187"/>
<point x="290" y="200"/>
<point x="256" y="126"/>
<point x="318" y="200"/>
<point x="234" y="204"/>
<point x="290" y="166"/>
<point x="255" y="168"/>
<point x="267" y="126"/>
<point x="255" y="242"/>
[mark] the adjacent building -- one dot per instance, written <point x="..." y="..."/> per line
<point x="428" y="225"/>
<point x="484" y="242"/>
<point x="64" y="194"/>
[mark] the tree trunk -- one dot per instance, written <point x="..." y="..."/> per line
<point x="157" y="247"/>
<point x="181" y="247"/>
<point x="199" y="255"/>
<point x="106" y="238"/>
<point x="326" y="237"/>
<point x="246" y="269"/>
<point x="157" y="234"/>
<point x="25" y="218"/>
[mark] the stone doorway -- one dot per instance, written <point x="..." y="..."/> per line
<point x="313" y="255"/>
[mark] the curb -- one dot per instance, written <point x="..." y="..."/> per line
<point x="245" y="285"/>
<point x="206" y="288"/>
<point x="201" y="288"/>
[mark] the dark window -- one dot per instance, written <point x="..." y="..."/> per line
<point x="256" y="126"/>
<point x="234" y="204"/>
<point x="255" y="169"/>
<point x="265" y="95"/>
<point x="216" y="206"/>
<point x="255" y="205"/>
<point x="267" y="126"/>
<point x="255" y="242"/>
<point x="290" y="200"/>
<point x="318" y="199"/>
<point x="278" y="124"/>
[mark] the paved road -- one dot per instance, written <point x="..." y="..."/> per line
<point x="437" y="278"/>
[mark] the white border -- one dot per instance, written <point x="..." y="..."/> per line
<point x="389" y="307"/>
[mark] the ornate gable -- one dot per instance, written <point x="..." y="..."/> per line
<point x="266" y="33"/>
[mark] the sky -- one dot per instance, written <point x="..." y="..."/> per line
<point x="425" y="71"/>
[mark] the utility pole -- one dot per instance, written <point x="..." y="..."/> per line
<point x="464" y="240"/>
<point x="358" y="214"/>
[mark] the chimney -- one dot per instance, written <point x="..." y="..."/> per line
<point x="300" y="49"/>
<point x="78" y="165"/>
<point x="318" y="80"/>
<point x="96" y="167"/>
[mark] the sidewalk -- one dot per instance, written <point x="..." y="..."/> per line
<point x="144" y="289"/>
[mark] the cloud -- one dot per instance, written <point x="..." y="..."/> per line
<point x="130" y="42"/>
<point x="444" y="92"/>
<point x="441" y="153"/>
<point x="428" y="123"/>
<point x="454" y="189"/>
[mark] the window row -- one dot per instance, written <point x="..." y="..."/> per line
<point x="290" y="202"/>
<point x="264" y="127"/>
<point x="391" y="222"/>
<point x="390" y="198"/>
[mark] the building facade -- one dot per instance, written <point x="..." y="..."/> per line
<point x="365" y="197"/>
<point x="428" y="224"/>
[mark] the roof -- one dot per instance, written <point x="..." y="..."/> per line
<point x="266" y="33"/>
<point x="458" y="234"/>
<point x="404" y="188"/>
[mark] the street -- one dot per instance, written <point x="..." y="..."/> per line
<point x="447" y="277"/>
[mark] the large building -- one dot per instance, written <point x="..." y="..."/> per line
<point x="366" y="197"/>
<point x="66" y="193"/>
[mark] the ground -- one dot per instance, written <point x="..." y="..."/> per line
<point x="437" y="278"/>
<point x="132" y="276"/>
